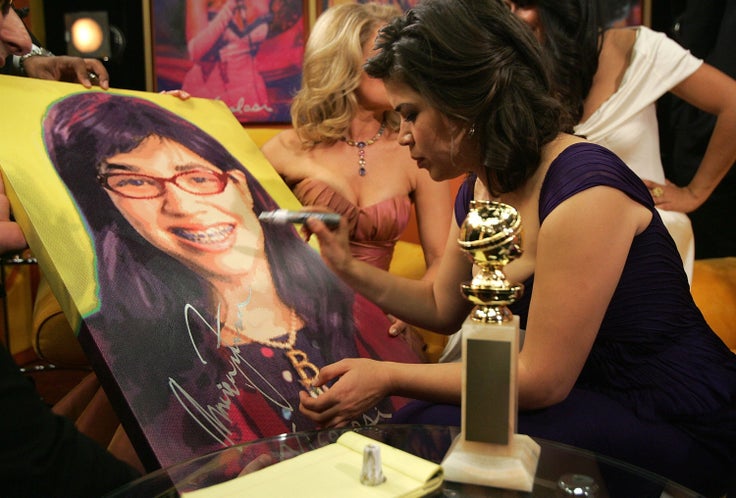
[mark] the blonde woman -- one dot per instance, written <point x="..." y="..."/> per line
<point x="342" y="152"/>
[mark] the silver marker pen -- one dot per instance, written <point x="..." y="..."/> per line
<point x="283" y="216"/>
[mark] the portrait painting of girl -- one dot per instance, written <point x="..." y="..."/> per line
<point x="208" y="323"/>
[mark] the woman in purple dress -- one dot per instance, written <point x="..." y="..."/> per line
<point x="616" y="357"/>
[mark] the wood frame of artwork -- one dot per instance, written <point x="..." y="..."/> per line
<point x="403" y="4"/>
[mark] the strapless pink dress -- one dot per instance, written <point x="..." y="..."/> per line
<point x="374" y="229"/>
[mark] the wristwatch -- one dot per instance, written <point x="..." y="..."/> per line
<point x="35" y="51"/>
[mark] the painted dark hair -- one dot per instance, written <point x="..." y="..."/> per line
<point x="141" y="289"/>
<point x="480" y="66"/>
<point x="572" y="33"/>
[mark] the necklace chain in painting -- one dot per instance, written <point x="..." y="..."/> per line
<point x="298" y="358"/>
<point x="361" y="145"/>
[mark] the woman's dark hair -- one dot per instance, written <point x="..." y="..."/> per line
<point x="481" y="66"/>
<point x="141" y="290"/>
<point x="572" y="33"/>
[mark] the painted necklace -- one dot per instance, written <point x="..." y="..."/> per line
<point x="362" y="145"/>
<point x="298" y="358"/>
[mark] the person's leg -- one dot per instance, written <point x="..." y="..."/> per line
<point x="595" y="422"/>
<point x="423" y="412"/>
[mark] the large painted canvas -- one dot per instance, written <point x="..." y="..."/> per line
<point x="247" y="53"/>
<point x="202" y="323"/>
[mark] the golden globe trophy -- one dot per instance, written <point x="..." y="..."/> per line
<point x="488" y="451"/>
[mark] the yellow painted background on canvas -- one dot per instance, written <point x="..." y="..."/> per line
<point x="41" y="204"/>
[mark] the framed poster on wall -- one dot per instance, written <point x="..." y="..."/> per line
<point x="247" y="53"/>
<point x="620" y="13"/>
<point x="615" y="12"/>
<point x="403" y="4"/>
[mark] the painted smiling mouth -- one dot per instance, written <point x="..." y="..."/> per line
<point x="213" y="235"/>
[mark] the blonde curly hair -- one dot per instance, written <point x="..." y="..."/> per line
<point x="333" y="65"/>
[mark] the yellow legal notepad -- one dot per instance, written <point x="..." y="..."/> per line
<point x="334" y="470"/>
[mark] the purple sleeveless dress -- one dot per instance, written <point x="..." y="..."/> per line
<point x="658" y="389"/>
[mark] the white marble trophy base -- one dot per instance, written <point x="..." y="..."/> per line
<point x="510" y="466"/>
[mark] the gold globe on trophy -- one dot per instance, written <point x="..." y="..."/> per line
<point x="488" y="451"/>
<point x="491" y="235"/>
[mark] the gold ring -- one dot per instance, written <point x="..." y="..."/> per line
<point x="657" y="192"/>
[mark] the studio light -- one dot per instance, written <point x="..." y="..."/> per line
<point x="124" y="49"/>
<point x="88" y="35"/>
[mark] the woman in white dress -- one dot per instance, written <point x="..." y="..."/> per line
<point x="611" y="84"/>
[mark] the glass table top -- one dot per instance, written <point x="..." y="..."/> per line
<point x="562" y="470"/>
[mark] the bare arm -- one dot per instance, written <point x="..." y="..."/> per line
<point x="714" y="92"/>
<point x="581" y="250"/>
<point x="362" y="383"/>
<point x="66" y="68"/>
<point x="433" y="204"/>
<point x="281" y="150"/>
<point x="11" y="237"/>
<point x="201" y="33"/>
<point x="436" y="305"/>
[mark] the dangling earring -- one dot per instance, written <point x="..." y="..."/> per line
<point x="471" y="131"/>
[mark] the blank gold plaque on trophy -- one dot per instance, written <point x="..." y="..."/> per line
<point x="488" y="451"/>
